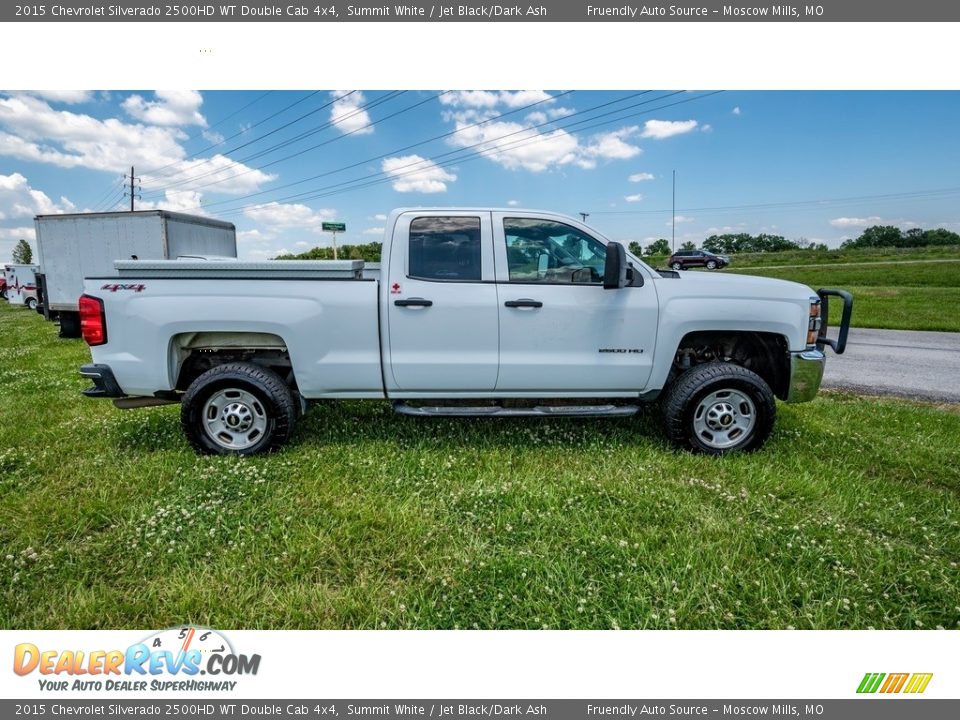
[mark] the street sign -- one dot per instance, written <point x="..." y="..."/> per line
<point x="334" y="227"/>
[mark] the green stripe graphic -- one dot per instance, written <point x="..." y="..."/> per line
<point x="870" y="682"/>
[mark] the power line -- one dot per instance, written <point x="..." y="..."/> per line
<point x="425" y="161"/>
<point x="285" y="143"/>
<point x="235" y="135"/>
<point x="117" y="185"/>
<point x="388" y="154"/>
<point x="374" y="179"/>
<point x="917" y="195"/>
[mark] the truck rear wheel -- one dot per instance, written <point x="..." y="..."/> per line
<point x="238" y="409"/>
<point x="717" y="408"/>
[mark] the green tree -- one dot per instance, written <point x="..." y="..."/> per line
<point x="659" y="247"/>
<point x="636" y="248"/>
<point x="689" y="245"/>
<point x="368" y="251"/>
<point x="877" y="236"/>
<point x="22" y="253"/>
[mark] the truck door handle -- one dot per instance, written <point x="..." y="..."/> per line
<point x="523" y="302"/>
<point x="413" y="302"/>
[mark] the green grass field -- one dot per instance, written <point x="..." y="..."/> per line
<point x="918" y="295"/>
<point x="850" y="518"/>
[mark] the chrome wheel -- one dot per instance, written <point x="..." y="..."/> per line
<point x="234" y="419"/>
<point x="677" y="266"/>
<point x="724" y="418"/>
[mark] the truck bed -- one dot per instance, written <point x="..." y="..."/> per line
<point x="166" y="309"/>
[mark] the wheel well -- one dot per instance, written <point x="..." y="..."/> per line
<point x="766" y="354"/>
<point x="192" y="354"/>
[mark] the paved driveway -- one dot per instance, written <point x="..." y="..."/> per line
<point x="908" y="363"/>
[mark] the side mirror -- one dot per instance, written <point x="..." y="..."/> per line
<point x="615" y="267"/>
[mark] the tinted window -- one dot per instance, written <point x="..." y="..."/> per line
<point x="552" y="252"/>
<point x="445" y="248"/>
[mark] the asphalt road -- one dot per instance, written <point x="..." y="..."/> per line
<point x="907" y="363"/>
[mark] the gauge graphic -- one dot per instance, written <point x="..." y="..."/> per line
<point x="182" y="638"/>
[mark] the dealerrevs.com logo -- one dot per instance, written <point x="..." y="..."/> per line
<point x="181" y="659"/>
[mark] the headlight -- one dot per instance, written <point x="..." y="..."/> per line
<point x="814" y="322"/>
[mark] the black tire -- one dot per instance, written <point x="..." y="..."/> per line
<point x="31" y="303"/>
<point x="711" y="264"/>
<point x="256" y="393"/>
<point x="735" y="398"/>
<point x="70" y="325"/>
<point x="677" y="266"/>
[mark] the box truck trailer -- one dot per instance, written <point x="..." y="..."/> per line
<point x="71" y="247"/>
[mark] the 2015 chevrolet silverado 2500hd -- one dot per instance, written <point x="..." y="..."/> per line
<point x="473" y="312"/>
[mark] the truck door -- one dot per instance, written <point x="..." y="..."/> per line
<point x="441" y="305"/>
<point x="560" y="330"/>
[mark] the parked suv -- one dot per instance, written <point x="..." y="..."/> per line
<point x="684" y="259"/>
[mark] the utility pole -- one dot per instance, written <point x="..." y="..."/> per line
<point x="584" y="216"/>
<point x="673" y="230"/>
<point x="134" y="194"/>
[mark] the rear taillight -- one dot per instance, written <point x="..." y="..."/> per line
<point x="93" y="320"/>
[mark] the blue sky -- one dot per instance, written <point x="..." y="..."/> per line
<point x="814" y="165"/>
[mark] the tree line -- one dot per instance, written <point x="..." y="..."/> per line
<point x="877" y="236"/>
<point x="368" y="251"/>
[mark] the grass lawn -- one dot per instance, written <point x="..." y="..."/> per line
<point x="907" y="296"/>
<point x="849" y="519"/>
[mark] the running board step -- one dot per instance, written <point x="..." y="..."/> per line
<point x="497" y="411"/>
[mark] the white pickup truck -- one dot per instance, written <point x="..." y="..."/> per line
<point x="473" y="312"/>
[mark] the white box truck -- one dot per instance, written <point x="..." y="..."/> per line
<point x="72" y="247"/>
<point x="21" y="284"/>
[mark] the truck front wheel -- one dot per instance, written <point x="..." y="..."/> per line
<point x="717" y="408"/>
<point x="238" y="409"/>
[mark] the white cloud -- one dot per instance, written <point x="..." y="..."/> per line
<point x="412" y="173"/>
<point x="513" y="203"/>
<point x="559" y="112"/>
<point x="706" y="128"/>
<point x="679" y="219"/>
<point x="847" y="222"/>
<point x="176" y="200"/>
<point x="212" y="136"/>
<point x="660" y="129"/>
<point x="302" y="244"/>
<point x="640" y="177"/>
<point x="289" y="215"/>
<point x="171" y="108"/>
<point x="515" y="146"/>
<point x="380" y="216"/>
<point x="486" y="99"/>
<point x="19" y="200"/>
<point x="613" y="145"/>
<point x="63" y="96"/>
<point x="536" y="118"/>
<point x="31" y="130"/>
<point x="245" y="236"/>
<point x="373" y="231"/>
<point x="347" y="115"/>
<point x="736" y="110"/>
<point x="15" y="233"/>
<point x="633" y="198"/>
